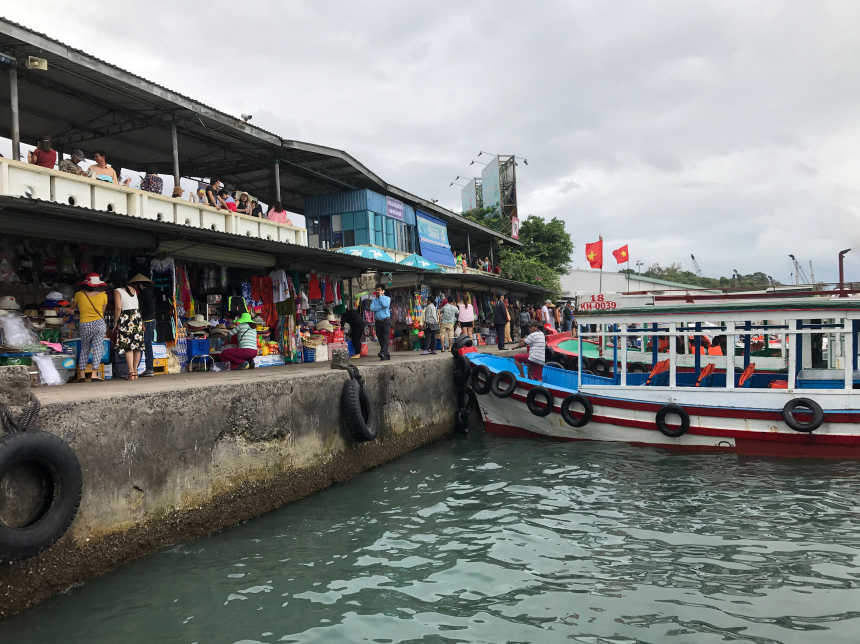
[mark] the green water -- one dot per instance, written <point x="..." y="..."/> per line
<point x="491" y="540"/>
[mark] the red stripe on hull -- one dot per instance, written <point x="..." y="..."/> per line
<point x="742" y="446"/>
<point x="810" y="439"/>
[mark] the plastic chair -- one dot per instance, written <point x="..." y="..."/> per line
<point x="660" y="367"/>
<point x="707" y="373"/>
<point x="745" y="376"/>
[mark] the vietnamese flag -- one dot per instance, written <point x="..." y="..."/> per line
<point x="594" y="253"/>
<point x="621" y="254"/>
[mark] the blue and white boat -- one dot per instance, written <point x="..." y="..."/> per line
<point x="810" y="408"/>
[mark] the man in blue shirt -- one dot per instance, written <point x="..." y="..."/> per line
<point x="381" y="307"/>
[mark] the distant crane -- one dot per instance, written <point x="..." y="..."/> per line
<point x="800" y="276"/>
<point x="696" y="268"/>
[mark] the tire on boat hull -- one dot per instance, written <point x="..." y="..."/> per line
<point x="531" y="401"/>
<point x="503" y="384"/>
<point x="569" y="418"/>
<point x="600" y="367"/>
<point x="480" y="379"/>
<point x="53" y="456"/>
<point x="798" y="425"/>
<point x="676" y="410"/>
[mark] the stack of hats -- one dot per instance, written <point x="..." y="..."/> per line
<point x="9" y="303"/>
<point x="198" y="326"/>
<point x="220" y="329"/>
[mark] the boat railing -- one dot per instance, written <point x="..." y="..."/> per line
<point x="30" y="181"/>
<point x="797" y="333"/>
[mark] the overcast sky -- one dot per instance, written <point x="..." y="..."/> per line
<point x="727" y="129"/>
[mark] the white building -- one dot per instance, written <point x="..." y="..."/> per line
<point x="581" y="281"/>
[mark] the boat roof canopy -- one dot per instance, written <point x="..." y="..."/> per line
<point x="614" y="307"/>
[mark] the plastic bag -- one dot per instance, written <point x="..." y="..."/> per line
<point x="47" y="371"/>
<point x="16" y="332"/>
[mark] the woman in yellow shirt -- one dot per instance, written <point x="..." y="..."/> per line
<point x="91" y="303"/>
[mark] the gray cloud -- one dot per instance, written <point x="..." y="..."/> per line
<point x="714" y="128"/>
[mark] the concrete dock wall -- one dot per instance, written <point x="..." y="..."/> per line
<point x="173" y="458"/>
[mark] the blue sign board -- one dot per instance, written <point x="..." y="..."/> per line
<point x="433" y="239"/>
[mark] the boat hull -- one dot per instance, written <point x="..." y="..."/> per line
<point x="740" y="420"/>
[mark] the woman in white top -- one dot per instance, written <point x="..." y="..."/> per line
<point x="466" y="316"/>
<point x="128" y="326"/>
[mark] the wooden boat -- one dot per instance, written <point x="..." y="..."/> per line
<point x="806" y="408"/>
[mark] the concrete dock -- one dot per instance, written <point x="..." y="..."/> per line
<point x="174" y="457"/>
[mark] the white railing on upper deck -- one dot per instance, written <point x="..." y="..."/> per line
<point x="35" y="182"/>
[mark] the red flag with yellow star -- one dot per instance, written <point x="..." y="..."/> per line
<point x="594" y="253"/>
<point x="621" y="254"/>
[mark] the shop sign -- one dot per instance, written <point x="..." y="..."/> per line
<point x="394" y="208"/>
<point x="515" y="227"/>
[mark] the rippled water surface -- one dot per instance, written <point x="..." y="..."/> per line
<point x="493" y="540"/>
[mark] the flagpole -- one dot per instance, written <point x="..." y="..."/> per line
<point x="628" y="269"/>
<point x="600" y="289"/>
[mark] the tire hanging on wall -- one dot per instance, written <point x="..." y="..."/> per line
<point x="53" y="456"/>
<point x="569" y="418"/>
<point x="480" y="379"/>
<point x="557" y="365"/>
<point x="798" y="425"/>
<point x="357" y="411"/>
<point x="678" y="411"/>
<point x="531" y="401"/>
<point x="503" y="384"/>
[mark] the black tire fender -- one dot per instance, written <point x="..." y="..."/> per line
<point x="531" y="401"/>
<point x="461" y="424"/>
<point x="357" y="411"/>
<point x="557" y="365"/>
<point x="600" y="367"/>
<point x="480" y="379"/>
<point x="58" y="462"/>
<point x="503" y="384"/>
<point x="803" y="403"/>
<point x="459" y="343"/>
<point x="677" y="410"/>
<point x="569" y="418"/>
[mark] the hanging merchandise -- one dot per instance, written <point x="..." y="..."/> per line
<point x="329" y="289"/>
<point x="163" y="272"/>
<point x="314" y="292"/>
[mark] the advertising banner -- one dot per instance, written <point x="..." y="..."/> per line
<point x="433" y="239"/>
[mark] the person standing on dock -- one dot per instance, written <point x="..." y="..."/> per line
<point x="381" y="307"/>
<point x="146" y="306"/>
<point x="431" y="326"/>
<point x="500" y="319"/>
<point x="448" y="313"/>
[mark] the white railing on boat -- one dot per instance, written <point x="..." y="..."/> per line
<point x="843" y="329"/>
<point x="35" y="182"/>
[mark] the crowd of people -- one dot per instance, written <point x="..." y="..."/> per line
<point x="481" y="264"/>
<point x="211" y="193"/>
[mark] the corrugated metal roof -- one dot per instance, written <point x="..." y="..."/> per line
<point x="226" y="147"/>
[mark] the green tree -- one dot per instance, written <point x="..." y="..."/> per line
<point x="490" y="217"/>
<point x="675" y="273"/>
<point x="547" y="241"/>
<point x="523" y="266"/>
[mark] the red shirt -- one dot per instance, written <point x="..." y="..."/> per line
<point x="231" y="205"/>
<point x="45" y="159"/>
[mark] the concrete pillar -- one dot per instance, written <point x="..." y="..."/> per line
<point x="468" y="248"/>
<point x="174" y="138"/>
<point x="13" y="108"/>
<point x="277" y="180"/>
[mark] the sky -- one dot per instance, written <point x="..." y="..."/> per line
<point x="730" y="130"/>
